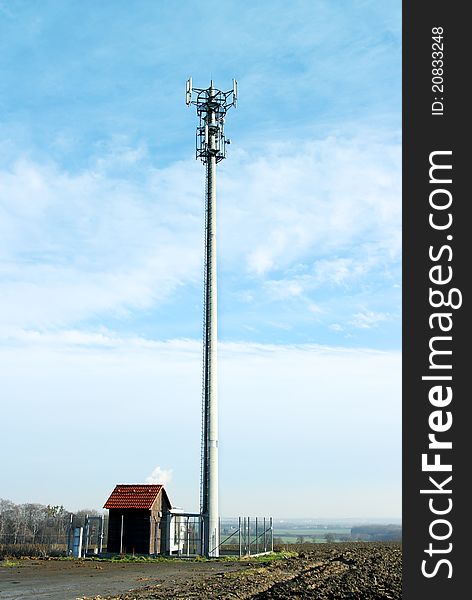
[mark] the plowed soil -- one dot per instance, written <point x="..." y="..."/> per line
<point x="356" y="571"/>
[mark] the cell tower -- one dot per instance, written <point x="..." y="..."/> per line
<point x="212" y="105"/>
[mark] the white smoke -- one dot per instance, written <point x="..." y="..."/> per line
<point x="162" y="476"/>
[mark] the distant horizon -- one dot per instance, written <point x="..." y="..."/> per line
<point x="383" y="520"/>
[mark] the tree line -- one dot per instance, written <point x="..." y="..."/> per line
<point x="33" y="523"/>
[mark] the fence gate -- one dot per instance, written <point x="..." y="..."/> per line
<point x="246" y="536"/>
<point x="91" y="536"/>
<point x="241" y="536"/>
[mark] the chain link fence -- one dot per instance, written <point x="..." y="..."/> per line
<point x="36" y="530"/>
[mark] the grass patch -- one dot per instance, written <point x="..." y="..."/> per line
<point x="136" y="559"/>
<point x="263" y="558"/>
<point x="124" y="558"/>
<point x="10" y="564"/>
<point x="129" y="558"/>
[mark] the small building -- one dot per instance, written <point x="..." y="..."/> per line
<point x="139" y="519"/>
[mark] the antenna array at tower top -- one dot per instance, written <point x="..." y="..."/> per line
<point x="212" y="105"/>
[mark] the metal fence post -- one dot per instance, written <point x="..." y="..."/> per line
<point x="86" y="531"/>
<point x="265" y="536"/>
<point x="257" y="539"/>
<point x="249" y="534"/>
<point x="240" y="540"/>
<point x="100" y="543"/>
<point x="121" y="534"/>
<point x="69" y="535"/>
<point x="187" y="527"/>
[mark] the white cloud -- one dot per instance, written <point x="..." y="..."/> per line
<point x="368" y="319"/>
<point x="307" y="202"/>
<point x="260" y="261"/>
<point x="325" y="272"/>
<point x="159" y="475"/>
<point x="76" y="246"/>
<point x="291" y="218"/>
<point x="282" y="289"/>
<point x="341" y="270"/>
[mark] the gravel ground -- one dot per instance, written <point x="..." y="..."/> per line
<point x="72" y="579"/>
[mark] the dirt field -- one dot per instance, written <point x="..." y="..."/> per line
<point x="331" y="571"/>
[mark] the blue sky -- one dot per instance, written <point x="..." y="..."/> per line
<point x="101" y="239"/>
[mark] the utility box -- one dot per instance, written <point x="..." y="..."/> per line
<point x="77" y="542"/>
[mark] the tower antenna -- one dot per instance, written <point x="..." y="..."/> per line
<point x="212" y="105"/>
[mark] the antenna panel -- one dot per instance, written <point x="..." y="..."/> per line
<point x="188" y="91"/>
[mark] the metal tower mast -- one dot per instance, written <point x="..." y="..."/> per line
<point x="212" y="105"/>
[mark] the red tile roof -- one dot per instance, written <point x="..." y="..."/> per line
<point x="133" y="496"/>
